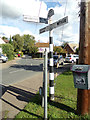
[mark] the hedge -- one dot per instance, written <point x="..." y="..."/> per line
<point x="8" y="50"/>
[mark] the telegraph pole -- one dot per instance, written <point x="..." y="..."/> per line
<point x="83" y="96"/>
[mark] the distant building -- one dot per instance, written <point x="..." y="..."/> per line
<point x="1" y="41"/>
<point x="6" y="41"/>
<point x="41" y="48"/>
<point x="71" y="48"/>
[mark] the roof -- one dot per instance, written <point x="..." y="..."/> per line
<point x="38" y="44"/>
<point x="6" y="41"/>
<point x="73" y="46"/>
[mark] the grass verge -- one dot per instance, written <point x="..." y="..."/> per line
<point x="64" y="105"/>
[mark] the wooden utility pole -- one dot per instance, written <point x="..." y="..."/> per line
<point x="83" y="96"/>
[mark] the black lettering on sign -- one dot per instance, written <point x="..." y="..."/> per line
<point x="61" y="21"/>
<point x="42" y="30"/>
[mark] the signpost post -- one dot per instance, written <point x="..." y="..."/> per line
<point x="50" y="28"/>
<point x="45" y="85"/>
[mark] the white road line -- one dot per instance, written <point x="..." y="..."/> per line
<point x="16" y="71"/>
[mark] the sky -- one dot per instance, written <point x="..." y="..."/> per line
<point x="12" y="12"/>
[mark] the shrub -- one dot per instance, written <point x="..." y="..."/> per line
<point x="8" y="50"/>
<point x="21" y="53"/>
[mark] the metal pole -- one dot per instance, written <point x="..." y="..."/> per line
<point x="51" y="72"/>
<point x="43" y="82"/>
<point x="45" y="90"/>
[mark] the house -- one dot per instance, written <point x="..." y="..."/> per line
<point x="6" y="41"/>
<point x="1" y="41"/>
<point x="71" y="48"/>
<point x="41" y="48"/>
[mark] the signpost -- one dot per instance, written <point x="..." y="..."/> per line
<point x="36" y="19"/>
<point x="28" y="18"/>
<point x="50" y="13"/>
<point x="43" y="20"/>
<point x="54" y="25"/>
<point x="50" y="28"/>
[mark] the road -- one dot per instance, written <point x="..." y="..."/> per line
<point x="20" y="70"/>
<point x="23" y="69"/>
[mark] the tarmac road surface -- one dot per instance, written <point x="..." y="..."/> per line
<point x="20" y="70"/>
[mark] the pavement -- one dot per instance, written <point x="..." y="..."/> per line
<point x="15" y="97"/>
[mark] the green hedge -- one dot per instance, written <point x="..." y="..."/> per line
<point x="8" y="50"/>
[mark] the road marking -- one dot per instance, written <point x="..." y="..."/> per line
<point x="16" y="71"/>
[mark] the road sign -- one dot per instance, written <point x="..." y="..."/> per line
<point x="35" y="19"/>
<point x="43" y="20"/>
<point x="50" y="13"/>
<point x="31" y="18"/>
<point x="54" y="25"/>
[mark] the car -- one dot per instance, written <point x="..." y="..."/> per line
<point x="3" y="58"/>
<point x="57" y="60"/>
<point x="19" y="55"/>
<point x="72" y="58"/>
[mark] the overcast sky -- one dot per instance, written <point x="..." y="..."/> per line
<point x="11" y="19"/>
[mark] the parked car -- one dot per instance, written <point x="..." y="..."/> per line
<point x="57" y="60"/>
<point x="71" y="58"/>
<point x="19" y="55"/>
<point x="3" y="58"/>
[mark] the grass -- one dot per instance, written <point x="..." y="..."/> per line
<point x="64" y="105"/>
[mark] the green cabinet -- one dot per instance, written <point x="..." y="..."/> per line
<point x="81" y="75"/>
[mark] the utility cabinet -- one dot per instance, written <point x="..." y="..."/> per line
<point x="81" y="75"/>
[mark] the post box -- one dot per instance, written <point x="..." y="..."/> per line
<point x="81" y="75"/>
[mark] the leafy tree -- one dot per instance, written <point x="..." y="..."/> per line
<point x="4" y="38"/>
<point x="58" y="49"/>
<point x="18" y="42"/>
<point x="29" y="44"/>
<point x="64" y="44"/>
<point x="33" y="49"/>
<point x="8" y="50"/>
<point x="10" y="41"/>
<point x="77" y="50"/>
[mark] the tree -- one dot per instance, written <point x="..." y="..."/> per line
<point x="64" y="44"/>
<point x="10" y="40"/>
<point x="8" y="50"/>
<point x="4" y="38"/>
<point x="18" y="42"/>
<point x="77" y="50"/>
<point x="58" y="49"/>
<point x="29" y="44"/>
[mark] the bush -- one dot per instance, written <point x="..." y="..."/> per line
<point x="21" y="53"/>
<point x="8" y="50"/>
